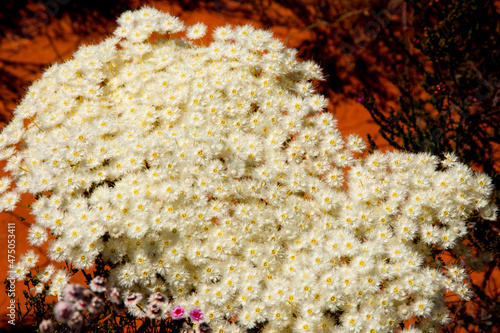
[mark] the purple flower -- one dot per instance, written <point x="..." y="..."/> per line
<point x="196" y="315"/>
<point x="177" y="312"/>
<point x="46" y="326"/>
<point x="63" y="311"/>
<point x="360" y="99"/>
<point x="98" y="284"/>
<point x="73" y="292"/>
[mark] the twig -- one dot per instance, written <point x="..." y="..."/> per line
<point x="15" y="215"/>
<point x="56" y="51"/>
<point x="324" y="23"/>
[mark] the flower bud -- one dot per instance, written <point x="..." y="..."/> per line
<point x="204" y="328"/>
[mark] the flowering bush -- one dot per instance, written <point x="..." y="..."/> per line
<point x="212" y="174"/>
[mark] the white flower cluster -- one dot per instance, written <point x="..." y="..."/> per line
<point x="212" y="174"/>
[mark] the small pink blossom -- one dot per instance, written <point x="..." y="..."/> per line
<point x="177" y="312"/>
<point x="76" y="321"/>
<point x="132" y="299"/>
<point x="96" y="305"/>
<point x="157" y="298"/>
<point x="63" y="311"/>
<point x="154" y="310"/>
<point x="73" y="292"/>
<point x="81" y="305"/>
<point x="114" y="295"/>
<point x="98" y="284"/>
<point x="196" y="315"/>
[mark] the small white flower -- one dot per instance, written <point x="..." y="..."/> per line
<point x="449" y="159"/>
<point x="47" y="273"/>
<point x="29" y="259"/>
<point x="37" y="235"/>
<point x="196" y="31"/>
<point x="4" y="184"/>
<point x="222" y="33"/>
<point x="19" y="271"/>
<point x="9" y="200"/>
<point x="355" y="143"/>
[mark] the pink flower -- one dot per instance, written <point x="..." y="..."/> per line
<point x="132" y="299"/>
<point x="63" y="311"/>
<point x="177" y="312"/>
<point x="154" y="310"/>
<point x="88" y="295"/>
<point x="158" y="298"/>
<point x="114" y="295"/>
<point x="196" y="315"/>
<point x="73" y="292"/>
<point x="96" y="305"/>
<point x="76" y="321"/>
<point x="81" y="305"/>
<point x="98" y="284"/>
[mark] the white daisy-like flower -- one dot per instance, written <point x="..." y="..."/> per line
<point x="196" y="31"/>
<point x="4" y="184"/>
<point x="9" y="200"/>
<point x="222" y="33"/>
<point x="29" y="259"/>
<point x="37" y="235"/>
<point x="46" y="273"/>
<point x="19" y="271"/>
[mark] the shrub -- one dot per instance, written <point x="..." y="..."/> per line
<point x="212" y="175"/>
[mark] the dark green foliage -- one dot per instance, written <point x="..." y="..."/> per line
<point x="450" y="102"/>
<point x="36" y="305"/>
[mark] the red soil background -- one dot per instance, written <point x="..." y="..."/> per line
<point x="56" y="41"/>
